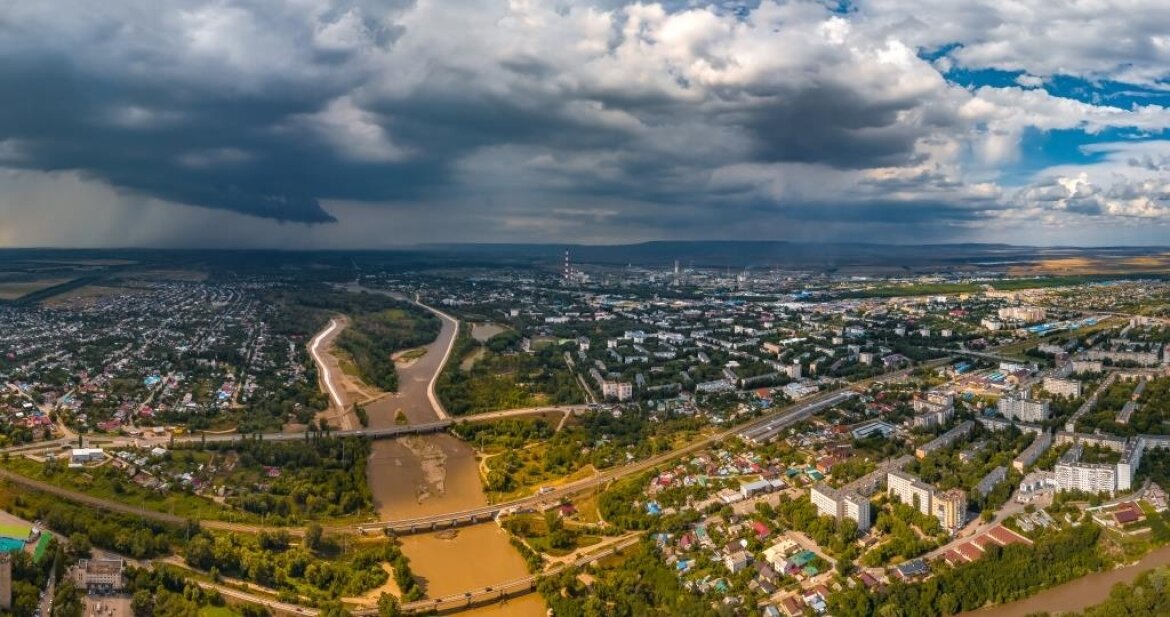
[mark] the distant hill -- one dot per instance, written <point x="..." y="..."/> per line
<point x="791" y="254"/>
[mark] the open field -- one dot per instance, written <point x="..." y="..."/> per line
<point x="193" y="276"/>
<point x="16" y="290"/>
<point x="90" y="294"/>
<point x="1103" y="264"/>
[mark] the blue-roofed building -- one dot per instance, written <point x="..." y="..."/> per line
<point x="911" y="569"/>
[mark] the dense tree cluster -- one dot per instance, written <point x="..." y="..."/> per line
<point x="372" y="339"/>
<point x="1001" y="575"/>
<point x="597" y="438"/>
<point x="1152" y="416"/>
<point x="164" y="592"/>
<point x="506" y="434"/>
<point x="297" y="570"/>
<point x="901" y="539"/>
<point x="836" y="537"/>
<point x="642" y="587"/>
<point x="68" y="600"/>
<point x="129" y="535"/>
<point x="944" y="470"/>
<point x="28" y="579"/>
<point x="320" y="477"/>
<point x="505" y="379"/>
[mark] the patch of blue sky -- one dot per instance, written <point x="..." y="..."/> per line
<point x="1040" y="150"/>
<point x="1110" y="93"/>
<point x="1096" y="91"/>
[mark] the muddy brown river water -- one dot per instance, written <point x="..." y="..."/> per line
<point x="418" y="476"/>
<point x="1076" y="595"/>
<point x="431" y="474"/>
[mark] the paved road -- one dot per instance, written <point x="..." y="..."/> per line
<point x="328" y="374"/>
<point x="517" y="413"/>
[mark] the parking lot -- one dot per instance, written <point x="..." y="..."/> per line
<point x="107" y="606"/>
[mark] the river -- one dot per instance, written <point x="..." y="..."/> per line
<point x="432" y="474"/>
<point x="1079" y="594"/>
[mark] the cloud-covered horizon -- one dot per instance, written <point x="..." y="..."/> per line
<point x="384" y="122"/>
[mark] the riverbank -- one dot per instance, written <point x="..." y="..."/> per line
<point x="1078" y="594"/>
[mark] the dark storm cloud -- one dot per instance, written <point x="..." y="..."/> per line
<point x="832" y="125"/>
<point x="61" y="118"/>
<point x="145" y="117"/>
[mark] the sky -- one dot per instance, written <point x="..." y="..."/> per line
<point x="382" y="123"/>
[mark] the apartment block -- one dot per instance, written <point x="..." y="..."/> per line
<point x="1039" y="446"/>
<point x="991" y="480"/>
<point x="841" y="505"/>
<point x="1026" y="314"/>
<point x="1062" y="387"/>
<point x="945" y="440"/>
<point x="950" y="508"/>
<point x="910" y="490"/>
<point x="857" y="508"/>
<point x="1023" y="409"/>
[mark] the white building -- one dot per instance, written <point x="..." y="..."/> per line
<point x="826" y="499"/>
<point x="1026" y="314"/>
<point x="936" y="409"/>
<point x="621" y="390"/>
<point x="856" y="507"/>
<point x="100" y="574"/>
<point x="1131" y="458"/>
<point x="81" y="456"/>
<point x="910" y="490"/>
<point x="1087" y="366"/>
<point x="1095" y="478"/>
<point x="839" y="505"/>
<point x="1023" y="409"/>
<point x="1072" y="474"/>
<point x="797" y="391"/>
<point x="1063" y="387"/>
